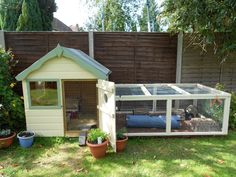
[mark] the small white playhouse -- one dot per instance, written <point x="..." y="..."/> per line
<point x="61" y="94"/>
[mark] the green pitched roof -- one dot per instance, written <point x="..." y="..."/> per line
<point x="77" y="56"/>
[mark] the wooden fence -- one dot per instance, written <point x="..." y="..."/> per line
<point x="137" y="57"/>
<point x="132" y="57"/>
<point x="206" y="68"/>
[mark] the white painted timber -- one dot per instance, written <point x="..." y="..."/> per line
<point x="168" y="115"/>
<point x="107" y="109"/>
<point x="176" y="88"/>
<point x="176" y="134"/>
<point x="226" y="115"/>
<point x="145" y="90"/>
<point x="25" y="94"/>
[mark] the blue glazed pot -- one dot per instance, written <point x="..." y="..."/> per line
<point x="26" y="138"/>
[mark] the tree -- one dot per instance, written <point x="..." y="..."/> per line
<point x="114" y="16"/>
<point x="153" y="12"/>
<point x="204" y="20"/>
<point x="119" y="15"/>
<point x="47" y="8"/>
<point x="30" y="18"/>
<point x="9" y="12"/>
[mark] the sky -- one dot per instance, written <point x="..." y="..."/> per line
<point x="72" y="12"/>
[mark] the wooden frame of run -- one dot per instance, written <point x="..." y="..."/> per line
<point x="181" y="95"/>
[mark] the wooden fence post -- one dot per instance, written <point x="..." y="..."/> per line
<point x="179" y="57"/>
<point x="179" y="62"/>
<point x="2" y="39"/>
<point x="91" y="44"/>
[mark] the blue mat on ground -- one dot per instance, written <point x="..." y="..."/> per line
<point x="146" y="121"/>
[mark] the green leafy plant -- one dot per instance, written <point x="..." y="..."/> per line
<point x="120" y="134"/>
<point x="209" y="23"/>
<point x="94" y="134"/>
<point x="11" y="105"/>
<point x="220" y="86"/>
<point x="216" y="110"/>
<point x="232" y="114"/>
<point x="5" y="133"/>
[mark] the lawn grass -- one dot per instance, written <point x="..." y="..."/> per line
<point x="196" y="156"/>
<point x="44" y="97"/>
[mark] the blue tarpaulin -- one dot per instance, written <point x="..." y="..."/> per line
<point x="148" y="121"/>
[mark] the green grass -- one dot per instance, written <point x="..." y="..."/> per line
<point x="45" y="97"/>
<point x="196" y="156"/>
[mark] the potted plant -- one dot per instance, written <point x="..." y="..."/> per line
<point x="26" y="138"/>
<point x="97" y="141"/>
<point x="6" y="138"/>
<point x="121" y="140"/>
<point x="6" y="135"/>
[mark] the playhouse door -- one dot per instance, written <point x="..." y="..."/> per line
<point x="106" y="109"/>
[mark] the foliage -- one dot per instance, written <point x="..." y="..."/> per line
<point x="123" y="15"/>
<point x="37" y="15"/>
<point x="47" y="8"/>
<point x="30" y="18"/>
<point x="12" y="111"/>
<point x="5" y="133"/>
<point x="220" y="86"/>
<point x="204" y="20"/>
<point x="9" y="13"/>
<point x="115" y="17"/>
<point x="232" y="113"/>
<point x="215" y="109"/>
<point x="120" y="134"/>
<point x="153" y="12"/>
<point x="119" y="15"/>
<point x="94" y="134"/>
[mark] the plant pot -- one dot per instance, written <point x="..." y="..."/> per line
<point x="6" y="142"/>
<point x="26" y="141"/>
<point x="121" y="144"/>
<point x="98" y="150"/>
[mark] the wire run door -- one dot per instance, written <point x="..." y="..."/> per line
<point x="106" y="109"/>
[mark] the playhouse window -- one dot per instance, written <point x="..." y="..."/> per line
<point x="43" y="93"/>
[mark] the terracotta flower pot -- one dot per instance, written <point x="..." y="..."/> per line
<point x="98" y="150"/>
<point x="6" y="142"/>
<point x="121" y="144"/>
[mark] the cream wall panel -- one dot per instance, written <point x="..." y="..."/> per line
<point x="45" y="126"/>
<point x="49" y="133"/>
<point x="45" y="122"/>
<point x="61" y="75"/>
<point x="44" y="112"/>
<point x="61" y="68"/>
